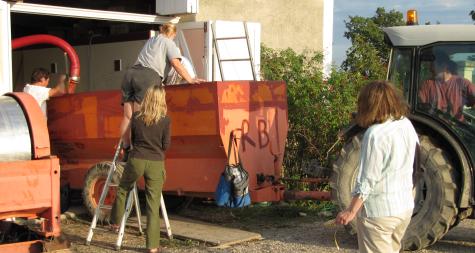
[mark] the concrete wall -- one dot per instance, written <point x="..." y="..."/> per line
<point x="297" y="24"/>
<point x="97" y="64"/>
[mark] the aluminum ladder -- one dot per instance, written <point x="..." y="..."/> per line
<point x="218" y="57"/>
<point x="132" y="199"/>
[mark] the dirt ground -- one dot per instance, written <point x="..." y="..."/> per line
<point x="284" y="229"/>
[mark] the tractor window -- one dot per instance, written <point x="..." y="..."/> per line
<point x="446" y="90"/>
<point x="400" y="69"/>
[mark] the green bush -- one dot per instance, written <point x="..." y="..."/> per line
<point x="317" y="109"/>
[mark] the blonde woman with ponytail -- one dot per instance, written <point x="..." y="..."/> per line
<point x="150" y="131"/>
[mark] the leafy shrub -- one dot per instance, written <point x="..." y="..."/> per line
<point x="317" y="109"/>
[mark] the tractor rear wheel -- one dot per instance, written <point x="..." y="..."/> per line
<point x="94" y="183"/>
<point x="435" y="210"/>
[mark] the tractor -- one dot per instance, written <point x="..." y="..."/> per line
<point x="444" y="193"/>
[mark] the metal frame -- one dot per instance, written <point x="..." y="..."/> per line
<point x="218" y="57"/>
<point x="438" y="127"/>
<point x="249" y="51"/>
<point x="6" y="83"/>
<point x="60" y="11"/>
<point x="327" y="36"/>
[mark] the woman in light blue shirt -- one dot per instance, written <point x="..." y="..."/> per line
<point x="383" y="198"/>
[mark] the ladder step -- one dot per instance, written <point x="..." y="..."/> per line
<point x="232" y="38"/>
<point x="101" y="229"/>
<point x="107" y="207"/>
<point x="237" y="59"/>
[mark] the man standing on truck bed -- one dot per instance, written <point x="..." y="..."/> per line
<point x="153" y="64"/>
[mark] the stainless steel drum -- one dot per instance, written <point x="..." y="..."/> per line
<point x="15" y="142"/>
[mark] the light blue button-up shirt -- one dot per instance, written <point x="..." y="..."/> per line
<point x="386" y="163"/>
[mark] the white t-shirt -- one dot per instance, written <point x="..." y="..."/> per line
<point x="41" y="94"/>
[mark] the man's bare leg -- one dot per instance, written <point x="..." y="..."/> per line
<point x="125" y="124"/>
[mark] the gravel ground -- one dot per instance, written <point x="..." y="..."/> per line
<point x="284" y="229"/>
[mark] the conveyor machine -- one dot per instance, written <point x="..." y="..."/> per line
<point x="29" y="174"/>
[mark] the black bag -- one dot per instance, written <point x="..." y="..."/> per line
<point x="237" y="177"/>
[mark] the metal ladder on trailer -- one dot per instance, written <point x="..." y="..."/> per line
<point x="132" y="199"/>
<point x="218" y="57"/>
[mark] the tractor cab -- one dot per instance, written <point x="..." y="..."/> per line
<point x="434" y="66"/>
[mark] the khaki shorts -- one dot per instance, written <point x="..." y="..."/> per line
<point x="136" y="81"/>
<point x="381" y="234"/>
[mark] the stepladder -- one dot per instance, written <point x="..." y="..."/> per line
<point x="132" y="201"/>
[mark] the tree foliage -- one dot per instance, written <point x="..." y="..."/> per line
<point x="472" y="14"/>
<point x="368" y="56"/>
<point x="317" y="109"/>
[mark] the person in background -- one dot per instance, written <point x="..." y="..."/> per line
<point x="446" y="92"/>
<point x="150" y="129"/>
<point x="39" y="87"/>
<point x="158" y="56"/>
<point x="382" y="198"/>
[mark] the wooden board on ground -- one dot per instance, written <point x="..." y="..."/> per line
<point x="213" y="235"/>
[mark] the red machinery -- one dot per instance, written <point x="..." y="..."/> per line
<point x="29" y="175"/>
<point x="84" y="130"/>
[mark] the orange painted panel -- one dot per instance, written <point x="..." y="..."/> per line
<point x="203" y="117"/>
<point x="194" y="123"/>
<point x="193" y="175"/>
<point x="32" y="186"/>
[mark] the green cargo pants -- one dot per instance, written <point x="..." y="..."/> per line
<point x="154" y="174"/>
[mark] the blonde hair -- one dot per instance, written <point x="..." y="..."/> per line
<point x="154" y="105"/>
<point x="168" y="29"/>
<point x="377" y="102"/>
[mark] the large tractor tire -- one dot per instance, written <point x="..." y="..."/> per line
<point x="94" y="183"/>
<point x="436" y="193"/>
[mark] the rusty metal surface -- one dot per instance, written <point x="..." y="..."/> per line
<point x="84" y="128"/>
<point x="14" y="134"/>
<point x="31" y="189"/>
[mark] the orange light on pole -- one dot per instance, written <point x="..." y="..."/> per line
<point x="412" y="17"/>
